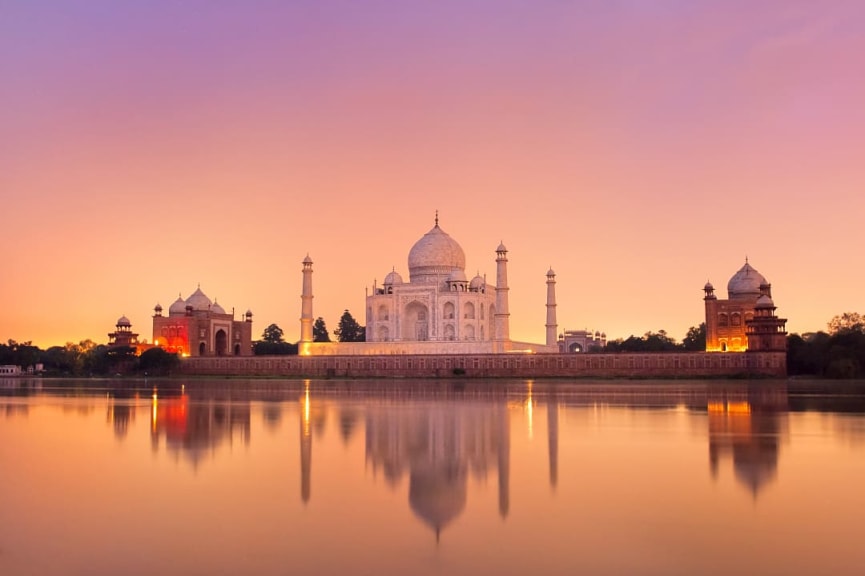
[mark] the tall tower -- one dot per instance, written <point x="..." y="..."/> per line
<point x="306" y="302"/>
<point x="552" y="326"/>
<point x="502" y="318"/>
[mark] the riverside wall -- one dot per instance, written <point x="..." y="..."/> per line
<point x="624" y="365"/>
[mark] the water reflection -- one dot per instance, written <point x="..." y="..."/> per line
<point x="747" y="424"/>
<point x="440" y="446"/>
<point x="428" y="478"/>
<point x="194" y="429"/>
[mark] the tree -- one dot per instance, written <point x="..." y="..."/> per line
<point x="157" y="362"/>
<point x="695" y="339"/>
<point x="272" y="334"/>
<point x="319" y="331"/>
<point x="272" y="343"/>
<point x="349" y="330"/>
<point x="846" y="322"/>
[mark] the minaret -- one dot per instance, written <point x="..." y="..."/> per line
<point x="502" y="318"/>
<point x="552" y="326"/>
<point x="306" y="302"/>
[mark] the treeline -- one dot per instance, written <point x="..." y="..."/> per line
<point x="273" y="342"/>
<point x="660" y="341"/>
<point x="838" y="353"/>
<point x="88" y="359"/>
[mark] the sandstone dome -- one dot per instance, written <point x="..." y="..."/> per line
<point x="123" y="321"/>
<point x="745" y="283"/>
<point x="435" y="255"/>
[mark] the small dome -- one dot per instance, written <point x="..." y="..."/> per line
<point x="123" y="321"/>
<point x="457" y="276"/>
<point x="198" y="300"/>
<point x="501" y="247"/>
<point x="708" y="287"/>
<point x="307" y="260"/>
<point x="550" y="272"/>
<point x="477" y="283"/>
<point x="216" y="308"/>
<point x="745" y="283"/>
<point x="764" y="302"/>
<point x="436" y="254"/>
<point x="248" y="313"/>
<point x="179" y="306"/>
<point x="392" y="278"/>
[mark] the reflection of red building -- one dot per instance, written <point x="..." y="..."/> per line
<point x="199" y="327"/>
<point x="745" y="425"/>
<point x="195" y="428"/>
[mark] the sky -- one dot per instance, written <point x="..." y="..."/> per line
<point x="639" y="148"/>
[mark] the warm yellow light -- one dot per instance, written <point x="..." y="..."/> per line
<point x="153" y="411"/>
<point x="739" y="407"/>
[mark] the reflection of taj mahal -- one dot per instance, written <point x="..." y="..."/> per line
<point x="438" y="311"/>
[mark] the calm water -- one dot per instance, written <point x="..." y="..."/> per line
<point x="288" y="477"/>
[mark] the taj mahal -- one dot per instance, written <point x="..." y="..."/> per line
<point x="437" y="311"/>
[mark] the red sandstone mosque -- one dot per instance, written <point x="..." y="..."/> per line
<point x="198" y="326"/>
<point x="746" y="319"/>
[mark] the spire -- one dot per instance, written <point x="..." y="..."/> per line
<point x="437" y="219"/>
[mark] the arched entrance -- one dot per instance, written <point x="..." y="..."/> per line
<point x="221" y="342"/>
<point x="201" y="349"/>
<point x="237" y="349"/>
<point x="415" y="324"/>
<point x="575" y="348"/>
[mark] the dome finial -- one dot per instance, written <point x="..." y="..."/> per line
<point x="437" y="219"/>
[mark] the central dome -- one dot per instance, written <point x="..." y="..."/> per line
<point x="435" y="255"/>
<point x="745" y="283"/>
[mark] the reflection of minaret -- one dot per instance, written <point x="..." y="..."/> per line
<point x="504" y="457"/>
<point x="552" y="326"/>
<point x="305" y="445"/>
<point x="553" y="439"/>
<point x="306" y="302"/>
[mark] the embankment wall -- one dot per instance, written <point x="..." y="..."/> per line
<point x="625" y="365"/>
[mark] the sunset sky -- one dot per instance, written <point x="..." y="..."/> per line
<point x="639" y="147"/>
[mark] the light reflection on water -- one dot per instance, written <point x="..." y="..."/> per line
<point x="466" y="477"/>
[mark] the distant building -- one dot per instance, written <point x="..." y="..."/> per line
<point x="746" y="319"/>
<point x="198" y="326"/>
<point x="123" y="336"/>
<point x="575" y="341"/>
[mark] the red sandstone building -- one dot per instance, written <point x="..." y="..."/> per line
<point x="746" y="319"/>
<point x="198" y="326"/>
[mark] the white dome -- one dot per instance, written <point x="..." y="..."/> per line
<point x="179" y="307"/>
<point x="457" y="276"/>
<point x="745" y="283"/>
<point x="216" y="308"/>
<point x="477" y="283"/>
<point x="198" y="300"/>
<point x="392" y="278"/>
<point x="436" y="254"/>
<point x="123" y="321"/>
